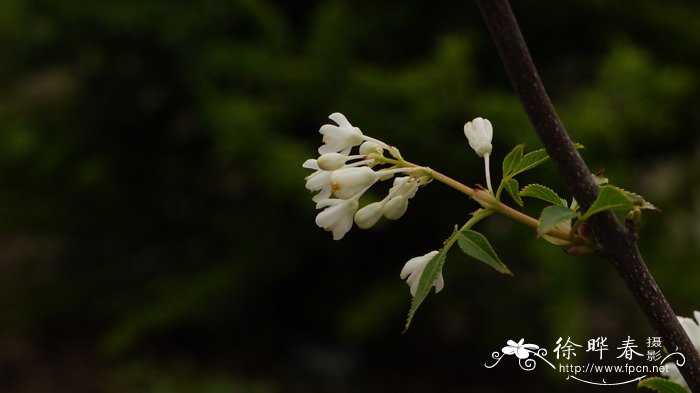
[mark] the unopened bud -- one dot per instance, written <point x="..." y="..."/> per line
<point x="368" y="147"/>
<point x="369" y="215"/>
<point x="395" y="207"/>
<point x="331" y="161"/>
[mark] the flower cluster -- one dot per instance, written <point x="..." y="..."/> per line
<point x="341" y="178"/>
<point x="692" y="328"/>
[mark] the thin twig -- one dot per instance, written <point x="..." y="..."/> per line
<point x="613" y="241"/>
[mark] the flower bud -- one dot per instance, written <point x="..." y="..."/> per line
<point x="479" y="132"/>
<point x="347" y="182"/>
<point x="368" y="147"/>
<point x="331" y="161"/>
<point x="369" y="215"/>
<point x="395" y="207"/>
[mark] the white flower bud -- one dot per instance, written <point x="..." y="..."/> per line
<point x="479" y="132"/>
<point x="369" y="215"/>
<point x="368" y="147"/>
<point x="347" y="182"/>
<point x="413" y="270"/>
<point x="395" y="207"/>
<point x="332" y="161"/>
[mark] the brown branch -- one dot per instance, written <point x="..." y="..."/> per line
<point x="613" y="241"/>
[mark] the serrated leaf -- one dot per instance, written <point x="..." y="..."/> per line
<point x="427" y="279"/>
<point x="512" y="186"/>
<point x="512" y="160"/>
<point x="531" y="160"/>
<point x="552" y="216"/>
<point x="639" y="201"/>
<point x="610" y="198"/>
<point x="661" y="385"/>
<point x="542" y="192"/>
<point x="477" y="246"/>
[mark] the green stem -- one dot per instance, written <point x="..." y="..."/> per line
<point x="488" y="201"/>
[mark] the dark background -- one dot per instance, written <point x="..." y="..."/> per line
<point x="156" y="235"/>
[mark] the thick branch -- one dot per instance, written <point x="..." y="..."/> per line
<point x="613" y="241"/>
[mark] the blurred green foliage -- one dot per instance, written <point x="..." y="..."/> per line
<point x="156" y="235"/>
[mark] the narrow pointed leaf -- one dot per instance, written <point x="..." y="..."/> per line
<point x="552" y="216"/>
<point x="477" y="246"/>
<point x="661" y="385"/>
<point x="544" y="193"/>
<point x="512" y="160"/>
<point x="427" y="279"/>
<point x="512" y="186"/>
<point x="610" y="198"/>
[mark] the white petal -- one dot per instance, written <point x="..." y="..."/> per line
<point x="692" y="329"/>
<point x="415" y="283"/>
<point x="310" y="164"/>
<point x="417" y="263"/>
<point x="342" y="226"/>
<point x="340" y="119"/>
<point x="348" y="182"/>
<point x="439" y="283"/>
<point x="488" y="130"/>
<point x="323" y="194"/>
<point x="318" y="180"/>
<point x="337" y="217"/>
<point x="674" y="374"/>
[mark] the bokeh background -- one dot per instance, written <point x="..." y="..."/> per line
<point x="156" y="235"/>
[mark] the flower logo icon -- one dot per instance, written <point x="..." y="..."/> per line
<point x="522" y="351"/>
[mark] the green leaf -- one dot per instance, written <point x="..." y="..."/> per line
<point x="512" y="160"/>
<point x="544" y="193"/>
<point x="639" y="201"/>
<point x="552" y="216"/>
<point x="531" y="160"/>
<point x="610" y="198"/>
<point x="661" y="385"/>
<point x="477" y="246"/>
<point x="512" y="186"/>
<point x="427" y="279"/>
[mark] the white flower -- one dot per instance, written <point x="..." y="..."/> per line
<point x="348" y="182"/>
<point x="318" y="181"/>
<point x="337" y="216"/>
<point x="479" y="132"/>
<point x="692" y="328"/>
<point x="340" y="138"/>
<point x="413" y="269"/>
